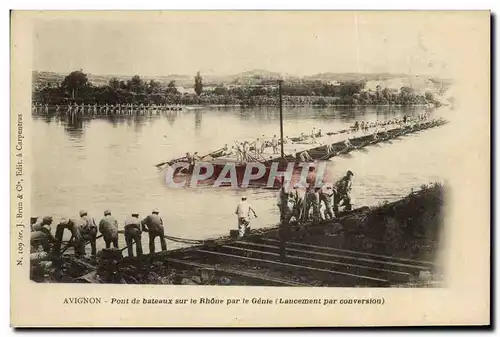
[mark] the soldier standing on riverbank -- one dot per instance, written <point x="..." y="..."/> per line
<point x="41" y="234"/>
<point x="343" y="189"/>
<point x="286" y="213"/>
<point x="153" y="224"/>
<point x="326" y="196"/>
<point x="133" y="234"/>
<point x="283" y="199"/>
<point x="108" y="227"/>
<point x="243" y="212"/>
<point x="312" y="201"/>
<point x="89" y="231"/>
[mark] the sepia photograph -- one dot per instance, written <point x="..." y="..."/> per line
<point x="248" y="149"/>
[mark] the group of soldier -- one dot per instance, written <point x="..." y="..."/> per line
<point x="311" y="138"/>
<point x="405" y="120"/>
<point x="249" y="151"/>
<point x="246" y="151"/>
<point x="94" y="109"/>
<point x="292" y="203"/>
<point x="84" y="230"/>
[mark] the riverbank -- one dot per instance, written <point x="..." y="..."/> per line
<point x="51" y="107"/>
<point x="393" y="244"/>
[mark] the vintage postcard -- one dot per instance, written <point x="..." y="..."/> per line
<point x="250" y="168"/>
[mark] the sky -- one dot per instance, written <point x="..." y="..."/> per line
<point x="222" y="43"/>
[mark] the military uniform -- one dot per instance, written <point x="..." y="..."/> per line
<point x="108" y="227"/>
<point x="283" y="198"/>
<point x="153" y="224"/>
<point x="343" y="189"/>
<point x="326" y="196"/>
<point x="312" y="201"/>
<point x="298" y="203"/>
<point x="89" y="231"/>
<point x="133" y="233"/>
<point x="41" y="234"/>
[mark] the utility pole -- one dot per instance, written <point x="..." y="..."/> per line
<point x="280" y="82"/>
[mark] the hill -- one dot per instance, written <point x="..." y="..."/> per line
<point x="393" y="81"/>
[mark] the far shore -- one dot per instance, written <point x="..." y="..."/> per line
<point x="203" y="105"/>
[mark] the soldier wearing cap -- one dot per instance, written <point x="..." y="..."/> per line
<point x="153" y="224"/>
<point x="41" y="233"/>
<point x="342" y="191"/>
<point x="89" y="231"/>
<point x="298" y="202"/>
<point x="133" y="234"/>
<point x="75" y="227"/>
<point x="243" y="212"/>
<point x="283" y="201"/>
<point x="286" y="212"/>
<point x="312" y="202"/>
<point x="108" y="227"/>
<point x="326" y="195"/>
<point x="42" y="224"/>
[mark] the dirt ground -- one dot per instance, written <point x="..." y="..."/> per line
<point x="409" y="228"/>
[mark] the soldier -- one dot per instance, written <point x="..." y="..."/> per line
<point x="343" y="192"/>
<point x="41" y="234"/>
<point x="42" y="224"/>
<point x="347" y="144"/>
<point x="133" y="234"/>
<point x="75" y="227"/>
<point x="312" y="201"/>
<point x="283" y="198"/>
<point x="305" y="156"/>
<point x="239" y="153"/>
<point x="274" y="144"/>
<point x="286" y="213"/>
<point x="257" y="146"/>
<point x="330" y="150"/>
<point x="153" y="224"/>
<point x="326" y="197"/>
<point x="108" y="227"/>
<point x="313" y="135"/>
<point x="89" y="231"/>
<point x="243" y="212"/>
<point x="297" y="199"/>
<point x="244" y="150"/>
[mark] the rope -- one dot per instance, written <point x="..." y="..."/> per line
<point x="70" y="243"/>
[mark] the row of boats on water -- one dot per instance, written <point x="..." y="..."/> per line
<point x="316" y="146"/>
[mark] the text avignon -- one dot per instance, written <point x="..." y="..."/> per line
<point x="82" y="300"/>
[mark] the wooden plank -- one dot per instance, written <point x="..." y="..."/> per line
<point x="320" y="261"/>
<point x="293" y="265"/>
<point x="84" y="263"/>
<point x="354" y="252"/>
<point x="240" y="273"/>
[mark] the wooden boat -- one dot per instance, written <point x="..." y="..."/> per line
<point x="320" y="152"/>
<point x="223" y="166"/>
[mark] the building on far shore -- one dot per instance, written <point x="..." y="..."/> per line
<point x="183" y="90"/>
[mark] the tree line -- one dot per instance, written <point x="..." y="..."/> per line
<point x="77" y="88"/>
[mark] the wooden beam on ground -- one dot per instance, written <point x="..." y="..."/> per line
<point x="293" y="266"/>
<point x="84" y="263"/>
<point x="319" y="261"/>
<point x="240" y="273"/>
<point x="353" y="252"/>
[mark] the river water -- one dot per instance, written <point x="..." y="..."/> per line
<point x="102" y="163"/>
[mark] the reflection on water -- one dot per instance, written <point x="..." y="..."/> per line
<point x="109" y="163"/>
